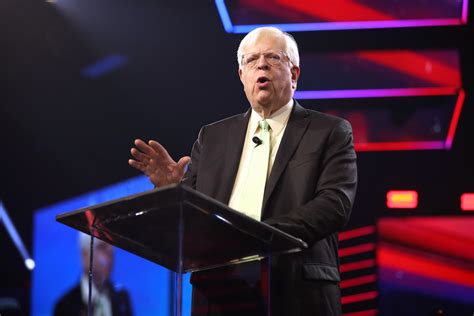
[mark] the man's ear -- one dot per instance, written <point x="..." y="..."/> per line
<point x="240" y="74"/>
<point x="295" y="74"/>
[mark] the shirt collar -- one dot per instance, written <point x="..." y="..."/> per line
<point x="95" y="295"/>
<point x="85" y="290"/>
<point x="277" y="120"/>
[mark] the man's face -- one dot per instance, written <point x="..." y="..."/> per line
<point x="103" y="261"/>
<point x="266" y="84"/>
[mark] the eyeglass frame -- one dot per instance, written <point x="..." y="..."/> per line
<point x="267" y="59"/>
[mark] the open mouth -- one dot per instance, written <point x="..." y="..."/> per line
<point x="262" y="79"/>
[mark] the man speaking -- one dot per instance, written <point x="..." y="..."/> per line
<point x="287" y="166"/>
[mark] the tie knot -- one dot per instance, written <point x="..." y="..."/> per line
<point x="264" y="125"/>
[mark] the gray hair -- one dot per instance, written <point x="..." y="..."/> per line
<point x="291" y="48"/>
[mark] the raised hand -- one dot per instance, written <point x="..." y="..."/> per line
<point x="154" y="161"/>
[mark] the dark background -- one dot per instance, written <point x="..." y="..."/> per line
<point x="63" y="134"/>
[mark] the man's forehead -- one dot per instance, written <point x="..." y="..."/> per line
<point x="265" y="42"/>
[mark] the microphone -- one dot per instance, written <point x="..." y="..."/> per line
<point x="257" y="141"/>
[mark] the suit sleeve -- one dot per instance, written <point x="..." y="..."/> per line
<point x="122" y="305"/>
<point x="331" y="204"/>
<point x="190" y="177"/>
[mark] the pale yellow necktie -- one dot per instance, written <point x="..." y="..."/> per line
<point x="251" y="198"/>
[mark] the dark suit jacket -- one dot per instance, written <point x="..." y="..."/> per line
<point x="71" y="303"/>
<point x="309" y="194"/>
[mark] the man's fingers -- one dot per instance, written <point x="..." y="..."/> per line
<point x="141" y="157"/>
<point x="138" y="155"/>
<point x="144" y="147"/>
<point x="159" y="149"/>
<point x="137" y="165"/>
<point x="183" y="162"/>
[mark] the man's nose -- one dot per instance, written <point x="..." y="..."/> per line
<point x="262" y="62"/>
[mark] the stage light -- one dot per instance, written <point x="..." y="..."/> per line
<point x="244" y="16"/>
<point x="15" y="237"/>
<point x="402" y="199"/>
<point x="467" y="202"/>
<point x="30" y="264"/>
<point x="375" y="93"/>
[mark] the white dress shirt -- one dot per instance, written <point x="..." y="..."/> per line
<point x="277" y="122"/>
<point x="100" y="300"/>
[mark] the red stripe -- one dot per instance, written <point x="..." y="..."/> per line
<point x="366" y="279"/>
<point x="455" y="119"/>
<point x="416" y="65"/>
<point x="336" y="10"/>
<point x="349" y="251"/>
<point x="364" y="264"/>
<point x="446" y="237"/>
<point x="358" y="232"/>
<point x="359" y="297"/>
<point x="386" y="146"/>
<point x="426" y="266"/>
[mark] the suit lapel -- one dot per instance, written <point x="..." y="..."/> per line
<point x="295" y="129"/>
<point x="235" y="143"/>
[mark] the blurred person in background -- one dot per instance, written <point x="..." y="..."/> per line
<point x="107" y="298"/>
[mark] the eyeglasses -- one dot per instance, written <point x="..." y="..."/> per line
<point x="251" y="60"/>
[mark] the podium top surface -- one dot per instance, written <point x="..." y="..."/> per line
<point x="181" y="229"/>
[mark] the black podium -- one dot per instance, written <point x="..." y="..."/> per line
<point x="182" y="230"/>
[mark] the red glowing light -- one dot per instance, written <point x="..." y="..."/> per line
<point x="434" y="268"/>
<point x="467" y="202"/>
<point x="366" y="279"/>
<point x="358" y="265"/>
<point x="359" y="297"/>
<point x="402" y="199"/>
<point x="443" y="236"/>
<point x="416" y="65"/>
<point x="349" y="251"/>
<point x="455" y="119"/>
<point x="358" y="232"/>
<point x="396" y="146"/>
<point x="331" y="10"/>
